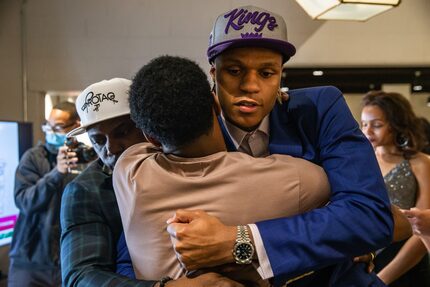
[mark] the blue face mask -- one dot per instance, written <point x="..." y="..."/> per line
<point x="55" y="139"/>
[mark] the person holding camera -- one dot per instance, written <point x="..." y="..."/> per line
<point x="40" y="178"/>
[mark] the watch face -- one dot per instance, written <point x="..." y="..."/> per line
<point x="244" y="251"/>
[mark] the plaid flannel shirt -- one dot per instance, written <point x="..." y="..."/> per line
<point x="91" y="226"/>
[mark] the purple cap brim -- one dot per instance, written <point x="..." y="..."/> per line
<point x="285" y="48"/>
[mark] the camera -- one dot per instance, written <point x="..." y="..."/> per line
<point x="84" y="153"/>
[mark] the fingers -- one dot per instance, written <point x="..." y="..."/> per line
<point x="367" y="259"/>
<point x="370" y="267"/>
<point x="62" y="149"/>
<point x="413" y="212"/>
<point x="363" y="258"/>
<point x="66" y="160"/>
<point x="172" y="229"/>
<point x="357" y="259"/>
<point x="185" y="216"/>
<point x="177" y="221"/>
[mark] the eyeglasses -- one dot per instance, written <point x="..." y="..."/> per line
<point x="47" y="128"/>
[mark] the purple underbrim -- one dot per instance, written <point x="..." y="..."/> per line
<point x="285" y="48"/>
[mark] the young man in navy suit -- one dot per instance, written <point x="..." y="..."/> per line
<point x="247" y="50"/>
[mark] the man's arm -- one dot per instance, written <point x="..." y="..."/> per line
<point x="35" y="182"/>
<point x="88" y="245"/>
<point x="357" y="220"/>
<point x="202" y="279"/>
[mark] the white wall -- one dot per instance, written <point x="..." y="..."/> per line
<point x="72" y="43"/>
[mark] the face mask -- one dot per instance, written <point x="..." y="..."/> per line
<point x="55" y="139"/>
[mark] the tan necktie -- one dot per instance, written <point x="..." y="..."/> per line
<point x="244" y="146"/>
<point x="255" y="144"/>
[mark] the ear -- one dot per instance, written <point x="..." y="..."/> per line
<point x="217" y="105"/>
<point x="152" y="140"/>
<point x="212" y="73"/>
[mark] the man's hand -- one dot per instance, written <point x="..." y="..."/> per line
<point x="204" y="280"/>
<point x="66" y="160"/>
<point x="419" y="220"/>
<point x="201" y="240"/>
<point x="368" y="259"/>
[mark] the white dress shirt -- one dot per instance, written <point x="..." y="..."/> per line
<point x="255" y="143"/>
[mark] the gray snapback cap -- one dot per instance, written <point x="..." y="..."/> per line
<point x="249" y="26"/>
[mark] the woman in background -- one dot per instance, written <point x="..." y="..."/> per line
<point x="390" y="124"/>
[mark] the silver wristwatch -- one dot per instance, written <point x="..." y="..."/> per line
<point x="243" y="250"/>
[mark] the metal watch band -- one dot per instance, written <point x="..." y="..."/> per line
<point x="243" y="250"/>
<point x="242" y="233"/>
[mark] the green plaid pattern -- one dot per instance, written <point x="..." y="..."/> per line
<point x="91" y="226"/>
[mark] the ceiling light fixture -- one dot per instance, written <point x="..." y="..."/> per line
<point x="358" y="10"/>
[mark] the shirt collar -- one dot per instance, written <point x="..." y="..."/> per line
<point x="237" y="134"/>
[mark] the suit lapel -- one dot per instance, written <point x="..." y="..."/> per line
<point x="228" y="142"/>
<point x="284" y="137"/>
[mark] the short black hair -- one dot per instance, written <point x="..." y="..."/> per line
<point x="171" y="101"/>
<point x="68" y="107"/>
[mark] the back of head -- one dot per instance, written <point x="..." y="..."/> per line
<point x="405" y="125"/>
<point x="249" y="26"/>
<point x="170" y="100"/>
<point x="69" y="108"/>
<point x="102" y="101"/>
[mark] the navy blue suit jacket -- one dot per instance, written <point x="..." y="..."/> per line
<point x="317" y="125"/>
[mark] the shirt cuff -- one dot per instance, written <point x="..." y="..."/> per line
<point x="263" y="266"/>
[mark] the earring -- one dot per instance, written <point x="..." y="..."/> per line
<point x="402" y="141"/>
<point x="279" y="96"/>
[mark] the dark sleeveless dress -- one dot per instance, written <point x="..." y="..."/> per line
<point x="402" y="189"/>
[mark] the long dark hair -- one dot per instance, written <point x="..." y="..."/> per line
<point x="426" y="128"/>
<point x="405" y="125"/>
